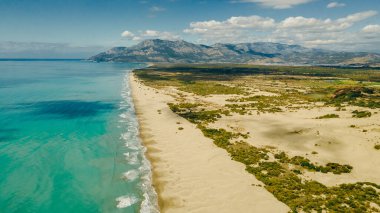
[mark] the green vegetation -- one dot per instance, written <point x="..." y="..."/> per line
<point x="377" y="146"/>
<point x="249" y="155"/>
<point x="195" y="115"/>
<point x="284" y="183"/>
<point x="293" y="85"/>
<point x="260" y="103"/>
<point x="243" y="109"/>
<point x="181" y="107"/>
<point x="220" y="137"/>
<point x="230" y="71"/>
<point x="361" y="114"/>
<point x="312" y="196"/>
<point x="187" y="82"/>
<point x="350" y="93"/>
<point x="180" y="128"/>
<point x="286" y="186"/>
<point x="369" y="104"/>
<point x="210" y="88"/>
<point x="328" y="116"/>
<point x="298" y="194"/>
<point x="305" y="163"/>
<point x="356" y="96"/>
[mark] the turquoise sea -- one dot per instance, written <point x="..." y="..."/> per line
<point x="69" y="139"/>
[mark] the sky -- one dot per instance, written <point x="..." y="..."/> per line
<point x="81" y="28"/>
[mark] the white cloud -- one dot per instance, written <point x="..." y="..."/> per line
<point x="323" y="25"/>
<point x="277" y="4"/>
<point x="372" y="28"/>
<point x="371" y="32"/>
<point x="358" y="16"/>
<point x="148" y="34"/>
<point x="321" y="42"/>
<point x="136" y="38"/>
<point x="233" y="23"/>
<point x="127" y="34"/>
<point x="157" y="9"/>
<point x="302" y="22"/>
<point x="258" y="23"/>
<point x="159" y="34"/>
<point x="308" y="31"/>
<point x="335" y="5"/>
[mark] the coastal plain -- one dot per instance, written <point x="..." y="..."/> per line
<point x="247" y="138"/>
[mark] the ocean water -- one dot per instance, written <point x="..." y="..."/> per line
<point x="69" y="139"/>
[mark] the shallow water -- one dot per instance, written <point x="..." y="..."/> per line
<point x="69" y="139"/>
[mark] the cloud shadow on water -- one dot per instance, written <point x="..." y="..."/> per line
<point x="70" y="109"/>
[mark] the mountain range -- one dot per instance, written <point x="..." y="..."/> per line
<point x="166" y="51"/>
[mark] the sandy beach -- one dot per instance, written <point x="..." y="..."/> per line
<point x="190" y="173"/>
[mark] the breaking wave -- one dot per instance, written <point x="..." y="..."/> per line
<point x="135" y="156"/>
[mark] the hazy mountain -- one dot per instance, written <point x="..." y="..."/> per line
<point x="157" y="50"/>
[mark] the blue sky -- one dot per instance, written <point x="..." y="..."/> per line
<point x="80" y="28"/>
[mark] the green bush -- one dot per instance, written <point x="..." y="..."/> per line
<point x="328" y="116"/>
<point x="244" y="153"/>
<point x="361" y="114"/>
<point x="221" y="137"/>
<point x="190" y="112"/>
<point x="210" y="88"/>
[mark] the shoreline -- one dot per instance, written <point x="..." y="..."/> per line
<point x="144" y="139"/>
<point x="189" y="173"/>
<point x="149" y="202"/>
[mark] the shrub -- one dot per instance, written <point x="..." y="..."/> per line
<point x="221" y="137"/>
<point x="190" y="112"/>
<point x="361" y="114"/>
<point x="209" y="88"/>
<point x="328" y="116"/>
<point x="244" y="153"/>
<point x="351" y="93"/>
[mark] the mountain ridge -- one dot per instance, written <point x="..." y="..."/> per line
<point x="180" y="51"/>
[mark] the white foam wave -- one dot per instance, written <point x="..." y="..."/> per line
<point x="123" y="115"/>
<point x="135" y="156"/>
<point x="146" y="206"/>
<point x="125" y="201"/>
<point x="131" y="175"/>
<point x="131" y="157"/>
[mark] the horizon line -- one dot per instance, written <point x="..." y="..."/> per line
<point x="41" y="59"/>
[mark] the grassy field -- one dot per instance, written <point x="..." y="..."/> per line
<point x="294" y="85"/>
<point x="233" y="70"/>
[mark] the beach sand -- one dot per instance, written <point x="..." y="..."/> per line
<point x="190" y="173"/>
